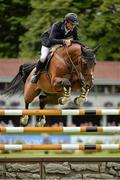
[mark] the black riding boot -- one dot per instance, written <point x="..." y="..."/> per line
<point x="39" y="67"/>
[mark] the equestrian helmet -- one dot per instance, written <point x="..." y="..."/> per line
<point x="72" y="17"/>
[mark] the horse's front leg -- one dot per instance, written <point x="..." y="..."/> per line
<point x="84" y="92"/>
<point x="66" y="97"/>
<point x="83" y="97"/>
<point x="64" y="85"/>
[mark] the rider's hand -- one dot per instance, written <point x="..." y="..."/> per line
<point x="67" y="42"/>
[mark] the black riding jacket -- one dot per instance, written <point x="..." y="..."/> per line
<point x="56" y="34"/>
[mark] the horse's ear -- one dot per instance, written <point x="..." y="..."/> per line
<point x="96" y="48"/>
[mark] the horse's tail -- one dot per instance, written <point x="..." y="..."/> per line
<point x="17" y="84"/>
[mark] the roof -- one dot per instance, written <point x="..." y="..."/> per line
<point x="106" y="72"/>
<point x="9" y="68"/>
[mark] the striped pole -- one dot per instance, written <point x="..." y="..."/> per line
<point x="52" y="112"/>
<point x="32" y="130"/>
<point x="60" y="147"/>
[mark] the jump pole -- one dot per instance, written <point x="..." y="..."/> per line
<point x="60" y="147"/>
<point x="78" y="130"/>
<point x="52" y="112"/>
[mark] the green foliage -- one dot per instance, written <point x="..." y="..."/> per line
<point x="12" y="13"/>
<point x="105" y="29"/>
<point x="24" y="21"/>
<point x="43" y="15"/>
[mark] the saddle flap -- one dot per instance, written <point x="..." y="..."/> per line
<point x="50" y="55"/>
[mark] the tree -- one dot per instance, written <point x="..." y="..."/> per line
<point x="99" y="24"/>
<point x="105" y="29"/>
<point x="24" y="21"/>
<point x="12" y="14"/>
<point x="41" y="18"/>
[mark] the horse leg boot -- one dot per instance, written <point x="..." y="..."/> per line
<point x="66" y="98"/>
<point x="39" y="67"/>
<point x="67" y="92"/>
<point x="83" y="97"/>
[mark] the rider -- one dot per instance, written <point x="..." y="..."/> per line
<point x="57" y="34"/>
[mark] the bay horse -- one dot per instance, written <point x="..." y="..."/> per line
<point x="70" y="68"/>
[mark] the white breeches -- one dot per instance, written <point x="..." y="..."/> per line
<point x="44" y="53"/>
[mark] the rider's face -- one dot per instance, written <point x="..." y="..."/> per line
<point x="70" y="26"/>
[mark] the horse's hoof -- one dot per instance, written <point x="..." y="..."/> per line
<point x="63" y="100"/>
<point x="75" y="101"/>
<point x="79" y="100"/>
<point x="24" y="120"/>
<point x="41" y="123"/>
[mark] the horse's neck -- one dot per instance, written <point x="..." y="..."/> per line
<point x="72" y="53"/>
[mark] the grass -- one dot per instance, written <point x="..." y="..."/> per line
<point x="41" y="153"/>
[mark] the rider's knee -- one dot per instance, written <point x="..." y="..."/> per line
<point x="44" y="53"/>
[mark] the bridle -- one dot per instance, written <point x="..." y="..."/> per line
<point x="82" y="61"/>
<point x="70" y="65"/>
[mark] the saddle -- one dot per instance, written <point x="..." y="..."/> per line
<point x="25" y="69"/>
<point x="50" y="55"/>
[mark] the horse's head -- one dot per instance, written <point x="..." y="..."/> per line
<point x="88" y="55"/>
<point x="88" y="61"/>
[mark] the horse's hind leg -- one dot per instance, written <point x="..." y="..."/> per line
<point x="42" y="119"/>
<point x="25" y="119"/>
<point x="30" y="93"/>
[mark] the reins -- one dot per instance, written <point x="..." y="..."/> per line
<point x="80" y="75"/>
<point x="64" y="62"/>
<point x="73" y="65"/>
